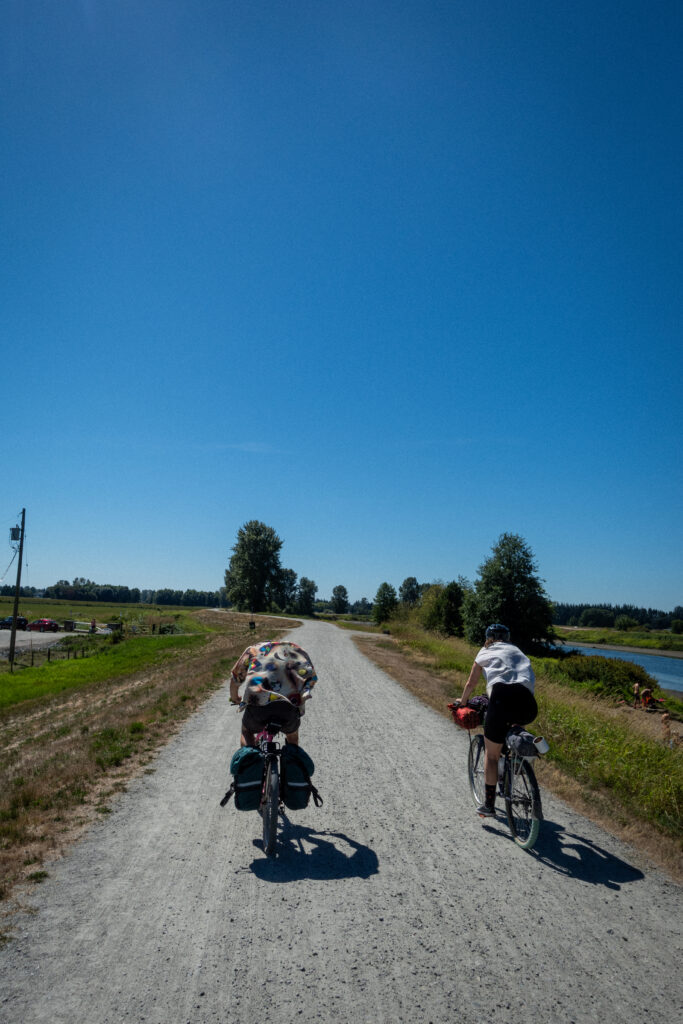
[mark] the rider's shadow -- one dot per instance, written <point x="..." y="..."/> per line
<point x="305" y="853"/>
<point x="581" y="858"/>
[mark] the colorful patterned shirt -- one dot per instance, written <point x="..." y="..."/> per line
<point x="273" y="670"/>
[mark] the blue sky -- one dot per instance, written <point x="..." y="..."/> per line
<point x="392" y="277"/>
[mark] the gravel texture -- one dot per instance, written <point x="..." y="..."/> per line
<point x="392" y="903"/>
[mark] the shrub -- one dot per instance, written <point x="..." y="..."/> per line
<point x="606" y="677"/>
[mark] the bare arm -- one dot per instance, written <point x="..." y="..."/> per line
<point x="472" y="683"/>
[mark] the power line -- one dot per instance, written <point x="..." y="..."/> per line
<point x="2" y="578"/>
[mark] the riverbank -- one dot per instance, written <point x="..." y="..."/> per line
<point x="625" y="650"/>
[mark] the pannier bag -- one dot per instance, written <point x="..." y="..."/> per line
<point x="470" y="715"/>
<point x="246" y="765"/>
<point x="521" y="742"/>
<point x="296" y="787"/>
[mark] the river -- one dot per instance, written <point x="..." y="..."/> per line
<point x="667" y="671"/>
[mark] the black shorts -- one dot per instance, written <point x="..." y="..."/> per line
<point x="257" y="716"/>
<point x="509" y="704"/>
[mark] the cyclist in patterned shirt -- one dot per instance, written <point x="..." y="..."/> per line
<point x="279" y="677"/>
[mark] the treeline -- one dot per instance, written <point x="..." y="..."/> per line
<point x="619" y="616"/>
<point x="82" y="589"/>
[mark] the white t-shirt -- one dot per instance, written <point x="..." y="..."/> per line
<point x="505" y="663"/>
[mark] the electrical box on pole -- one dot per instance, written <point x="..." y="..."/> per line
<point x="16" y="530"/>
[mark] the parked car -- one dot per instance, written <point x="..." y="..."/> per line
<point x="43" y="626"/>
<point x="22" y="623"/>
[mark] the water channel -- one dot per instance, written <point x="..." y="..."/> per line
<point x="667" y="671"/>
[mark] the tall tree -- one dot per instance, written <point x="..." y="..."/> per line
<point x="410" y="591"/>
<point x="254" y="571"/>
<point x="385" y="602"/>
<point x="441" y="606"/>
<point x="340" y="600"/>
<point x="509" y="591"/>
<point x="305" y="599"/>
<point x="283" y="591"/>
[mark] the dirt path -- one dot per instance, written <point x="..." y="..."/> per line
<point x="392" y="903"/>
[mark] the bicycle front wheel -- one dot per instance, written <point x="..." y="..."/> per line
<point x="522" y="802"/>
<point x="271" y="802"/>
<point x="475" y="769"/>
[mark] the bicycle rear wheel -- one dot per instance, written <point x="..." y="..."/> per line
<point x="475" y="769"/>
<point x="522" y="802"/>
<point x="269" y="809"/>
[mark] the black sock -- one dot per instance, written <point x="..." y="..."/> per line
<point x="490" y="795"/>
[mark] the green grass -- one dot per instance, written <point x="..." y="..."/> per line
<point x="112" y="663"/>
<point x="645" y="776"/>
<point x="447" y="654"/>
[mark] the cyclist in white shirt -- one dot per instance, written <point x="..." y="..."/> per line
<point x="510" y="687"/>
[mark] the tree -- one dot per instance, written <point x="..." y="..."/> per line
<point x="410" y="591"/>
<point x="596" y="617"/>
<point x="283" y="590"/>
<point x="440" y="610"/>
<point x="509" y="591"/>
<point x="305" y="597"/>
<point x="362" y="607"/>
<point x="625" y="622"/>
<point x="386" y="602"/>
<point x="340" y="600"/>
<point x="254" y="572"/>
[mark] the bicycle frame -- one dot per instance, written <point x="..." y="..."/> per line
<point x="516" y="785"/>
<point x="270" y="786"/>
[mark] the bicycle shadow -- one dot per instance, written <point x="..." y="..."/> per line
<point x="581" y="858"/>
<point x="306" y="853"/>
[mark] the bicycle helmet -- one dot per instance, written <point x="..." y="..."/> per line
<point x="497" y="632"/>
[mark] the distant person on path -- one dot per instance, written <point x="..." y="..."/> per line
<point x="93" y="626"/>
<point x="510" y="684"/>
<point x="648" y="699"/>
<point x="636" y="695"/>
<point x="279" y="677"/>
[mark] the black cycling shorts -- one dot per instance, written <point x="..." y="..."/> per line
<point x="257" y="716"/>
<point x="509" y="704"/>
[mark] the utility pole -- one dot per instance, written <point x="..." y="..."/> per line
<point x="13" y="636"/>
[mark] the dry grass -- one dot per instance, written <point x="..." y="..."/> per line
<point x="415" y="672"/>
<point x="63" y="758"/>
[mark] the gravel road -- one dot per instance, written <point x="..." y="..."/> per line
<point x="26" y="639"/>
<point x="392" y="903"/>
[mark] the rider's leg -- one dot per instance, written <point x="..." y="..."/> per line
<point x="247" y="739"/>
<point x="293" y="738"/>
<point x="493" y="752"/>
